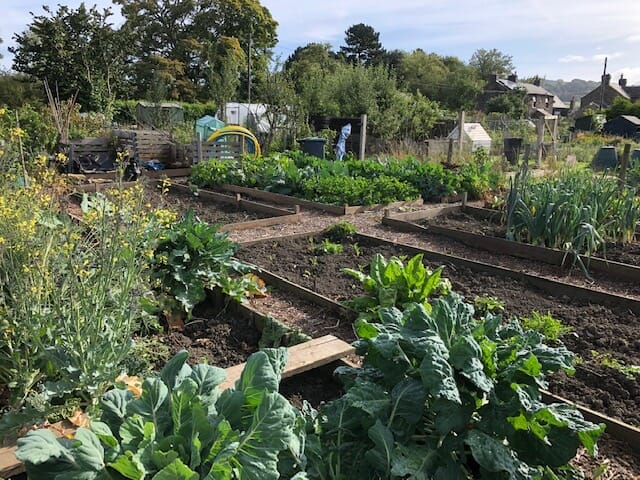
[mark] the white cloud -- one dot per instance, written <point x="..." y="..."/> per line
<point x="611" y="56"/>
<point x="633" y="39"/>
<point x="572" y="59"/>
<point x="632" y="74"/>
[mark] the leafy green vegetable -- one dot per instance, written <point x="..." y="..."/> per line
<point x="392" y="283"/>
<point x="181" y="427"/>
<point x="443" y="394"/>
<point x="193" y="256"/>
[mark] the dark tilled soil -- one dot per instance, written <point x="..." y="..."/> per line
<point x="214" y="336"/>
<point x="214" y="213"/>
<point x="315" y="386"/>
<point x="596" y="327"/>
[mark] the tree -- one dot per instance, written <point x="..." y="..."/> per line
<point x="622" y="106"/>
<point x="446" y="80"/>
<point x="75" y="51"/>
<point x="488" y="62"/>
<point x="510" y="103"/>
<point x="363" y="45"/>
<point x="224" y="62"/>
<point x="178" y="38"/>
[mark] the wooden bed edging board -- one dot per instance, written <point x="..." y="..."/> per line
<point x="279" y="216"/>
<point x="619" y="430"/>
<point x="169" y="172"/>
<point x="552" y="287"/>
<point x="305" y="293"/>
<point x="333" y="209"/>
<point x="614" y="270"/>
<point x="302" y="357"/>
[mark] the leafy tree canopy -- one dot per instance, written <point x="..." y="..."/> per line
<point x="623" y="106"/>
<point x="510" y="103"/>
<point x="175" y="40"/>
<point x="75" y="51"/>
<point x="488" y="62"/>
<point x="362" y="45"/>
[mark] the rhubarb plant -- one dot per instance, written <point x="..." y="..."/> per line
<point x="181" y="427"/>
<point x="442" y="394"/>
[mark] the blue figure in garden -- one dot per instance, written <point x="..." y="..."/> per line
<point x="341" y="146"/>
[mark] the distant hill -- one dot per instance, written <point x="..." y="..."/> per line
<point x="566" y="90"/>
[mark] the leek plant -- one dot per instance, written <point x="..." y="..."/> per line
<point x="577" y="212"/>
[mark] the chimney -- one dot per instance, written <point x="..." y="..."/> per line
<point x="513" y="78"/>
<point x="537" y="81"/>
<point x="606" y="79"/>
<point x="623" y="81"/>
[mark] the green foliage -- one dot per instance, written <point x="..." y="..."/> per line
<point x="632" y="372"/>
<point x="352" y="182"/>
<point x="76" y="51"/>
<point x="186" y="45"/>
<point x="393" y="284"/>
<point x="341" y="231"/>
<point x="443" y="394"/>
<point x="191" y="257"/>
<point x="484" y="305"/>
<point x="181" y="427"/>
<point x="623" y="106"/>
<point x="545" y="324"/>
<point x="577" y="211"/>
<point x="488" y="62"/>
<point x="362" y="45"/>
<point x="511" y="103"/>
<point x="328" y="247"/>
<point x="75" y="298"/>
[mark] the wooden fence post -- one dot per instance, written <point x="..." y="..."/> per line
<point x="624" y="163"/>
<point x="199" y="147"/>
<point x="363" y="135"/>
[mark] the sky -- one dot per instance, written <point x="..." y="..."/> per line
<point x="555" y="39"/>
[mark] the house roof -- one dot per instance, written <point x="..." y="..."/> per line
<point x="558" y="103"/>
<point x="530" y="88"/>
<point x="618" y="89"/>
<point x="633" y="91"/>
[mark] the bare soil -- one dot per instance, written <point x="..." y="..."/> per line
<point x="213" y="336"/>
<point x="207" y="210"/>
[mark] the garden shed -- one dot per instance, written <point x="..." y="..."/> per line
<point x="624" y="125"/>
<point x="474" y="134"/>
<point x="159" y="115"/>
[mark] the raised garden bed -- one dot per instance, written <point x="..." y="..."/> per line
<point x="232" y="212"/>
<point x="277" y="198"/>
<point x="322" y="353"/>
<point x="605" y="329"/>
<point x="480" y="228"/>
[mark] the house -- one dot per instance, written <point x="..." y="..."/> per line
<point x="624" y="125"/>
<point x="559" y="107"/>
<point x="475" y="135"/>
<point x="603" y="95"/>
<point x="538" y="98"/>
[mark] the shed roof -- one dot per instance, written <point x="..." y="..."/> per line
<point x="474" y="131"/>
<point x="632" y="119"/>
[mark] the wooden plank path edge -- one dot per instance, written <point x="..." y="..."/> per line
<point x="614" y="270"/>
<point x="333" y="209"/>
<point x="302" y="358"/>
